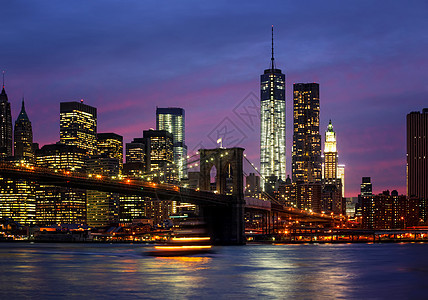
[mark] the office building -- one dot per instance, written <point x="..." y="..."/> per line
<point x="389" y="211"/>
<point x="78" y="126"/>
<point x="172" y="119"/>
<point x="103" y="207"/>
<point x="137" y="159"/>
<point x="161" y="155"/>
<point x="272" y="123"/>
<point x="110" y="145"/>
<point x="341" y="176"/>
<point x="60" y="205"/>
<point x="252" y="185"/>
<point x="61" y="157"/>
<point x="330" y="156"/>
<point x="306" y="154"/>
<point x="417" y="154"/>
<point x="23" y="137"/>
<point x="17" y="200"/>
<point x="54" y="204"/>
<point x="366" y="187"/>
<point x="5" y="126"/>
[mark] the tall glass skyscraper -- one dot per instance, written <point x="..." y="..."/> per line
<point x="5" y="126"/>
<point x="171" y="119"/>
<point x="306" y="156"/>
<point x="272" y="127"/>
<point x="78" y="126"/>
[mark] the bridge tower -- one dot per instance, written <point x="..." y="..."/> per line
<point x="227" y="224"/>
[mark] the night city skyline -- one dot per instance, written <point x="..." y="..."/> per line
<point x="368" y="58"/>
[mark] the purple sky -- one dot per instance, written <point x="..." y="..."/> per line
<point x="127" y="57"/>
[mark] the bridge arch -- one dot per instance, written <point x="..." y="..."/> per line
<point x="228" y="163"/>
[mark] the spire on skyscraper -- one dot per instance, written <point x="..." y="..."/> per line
<point x="23" y="114"/>
<point x="330" y="127"/>
<point x="272" y="58"/>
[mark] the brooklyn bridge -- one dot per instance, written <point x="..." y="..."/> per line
<point x="223" y="209"/>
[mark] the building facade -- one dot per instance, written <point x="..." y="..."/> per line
<point x="23" y="137"/>
<point x="272" y="123"/>
<point x="103" y="207"/>
<point x="417" y="154"/>
<point x="389" y="211"/>
<point x="161" y="155"/>
<point x="306" y="154"/>
<point x="172" y="119"/>
<point x="61" y="205"/>
<point x="330" y="156"/>
<point x="17" y="200"/>
<point x="110" y="145"/>
<point x="78" y="126"/>
<point x="5" y="126"/>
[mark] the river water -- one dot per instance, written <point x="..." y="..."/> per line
<point x="122" y="271"/>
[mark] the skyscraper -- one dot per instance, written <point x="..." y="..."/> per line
<point x="366" y="187"/>
<point x="330" y="156"/>
<point x="78" y="126"/>
<point x="23" y="137"/>
<point x="110" y="145"/>
<point x="5" y="125"/>
<point x="341" y="176"/>
<point x="172" y="120"/>
<point x="306" y="154"/>
<point x="161" y="154"/>
<point x="417" y="154"/>
<point x="55" y="204"/>
<point x="272" y="127"/>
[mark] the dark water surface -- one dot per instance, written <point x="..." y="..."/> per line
<point x="102" y="271"/>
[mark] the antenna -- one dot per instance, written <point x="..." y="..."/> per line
<point x="3" y="76"/>
<point x="272" y="59"/>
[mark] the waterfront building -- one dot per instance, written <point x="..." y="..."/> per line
<point x="389" y="211"/>
<point x="131" y="207"/>
<point x="60" y="205"/>
<point x="306" y="196"/>
<point x="272" y="123"/>
<point x="56" y="205"/>
<point x="102" y="207"/>
<point x="172" y="119"/>
<point x="111" y="145"/>
<point x="5" y="125"/>
<point x="23" y="137"/>
<point x="306" y="154"/>
<point x="17" y="200"/>
<point x="78" y="126"/>
<point x="417" y="155"/>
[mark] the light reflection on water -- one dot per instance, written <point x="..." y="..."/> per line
<point x="53" y="271"/>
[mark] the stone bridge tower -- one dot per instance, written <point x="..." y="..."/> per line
<point x="226" y="223"/>
<point x="226" y="161"/>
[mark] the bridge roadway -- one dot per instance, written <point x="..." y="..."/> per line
<point x="121" y="186"/>
<point x="293" y="212"/>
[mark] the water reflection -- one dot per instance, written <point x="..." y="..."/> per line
<point x="52" y="271"/>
